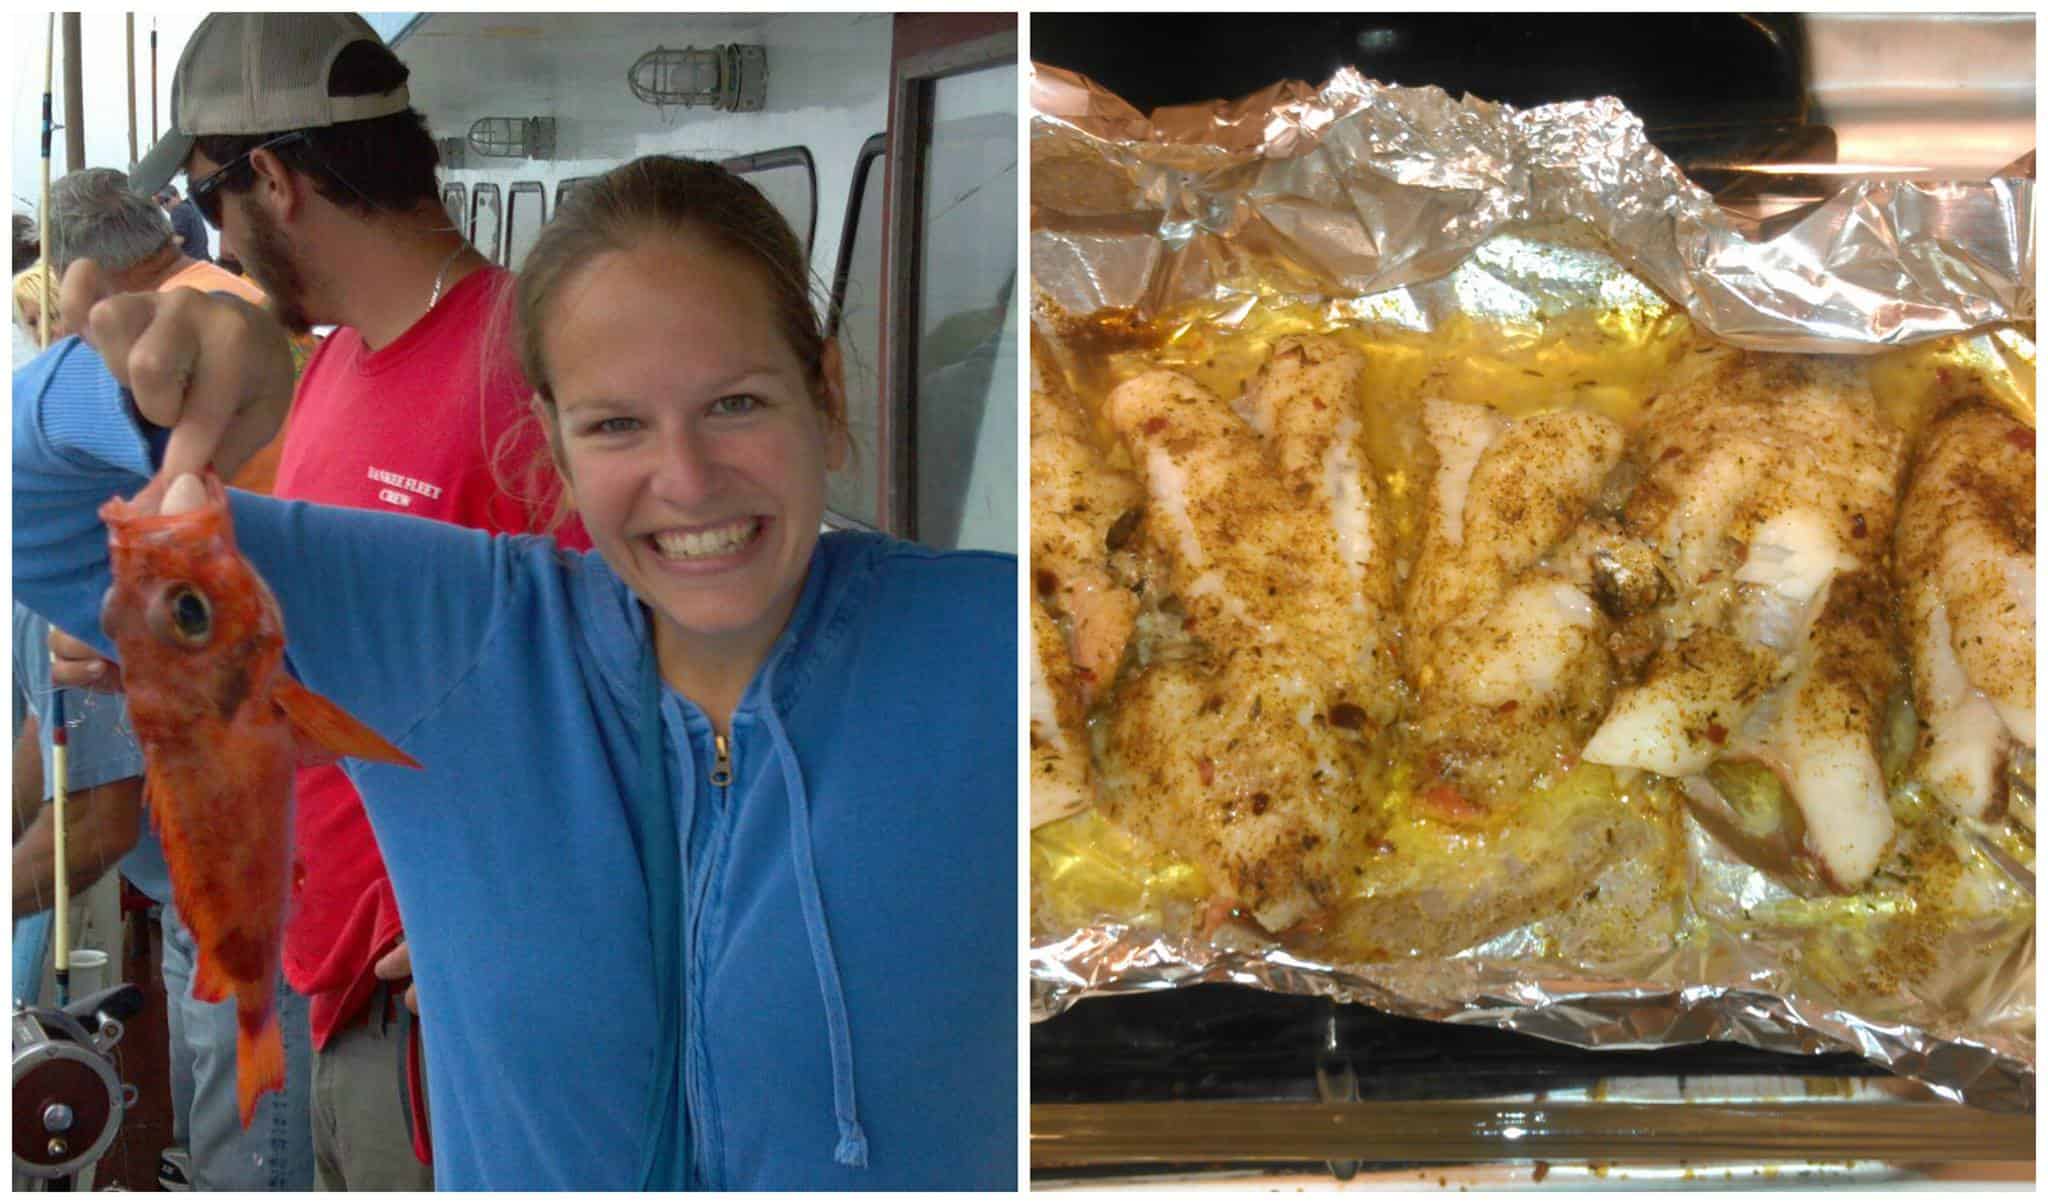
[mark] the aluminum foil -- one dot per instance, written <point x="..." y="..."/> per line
<point x="1558" y="1003"/>
<point x="1407" y="210"/>
<point x="1360" y="188"/>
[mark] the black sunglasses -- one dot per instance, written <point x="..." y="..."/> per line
<point x="205" y="190"/>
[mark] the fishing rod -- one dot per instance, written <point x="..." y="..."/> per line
<point x="59" y="752"/>
<point x="74" y="91"/>
<point x="43" y="213"/>
<point x="132" y="158"/>
<point x="152" y="82"/>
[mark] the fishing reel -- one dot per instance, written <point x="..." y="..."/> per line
<point x="68" y="1098"/>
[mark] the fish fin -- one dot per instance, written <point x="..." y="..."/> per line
<point x="209" y="985"/>
<point x="259" y="1059"/>
<point x="152" y="793"/>
<point x="157" y="800"/>
<point x="323" y="727"/>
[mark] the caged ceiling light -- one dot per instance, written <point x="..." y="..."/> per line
<point x="729" y="77"/>
<point x="513" y="137"/>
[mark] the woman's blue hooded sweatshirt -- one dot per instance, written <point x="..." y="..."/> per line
<point x="638" y="967"/>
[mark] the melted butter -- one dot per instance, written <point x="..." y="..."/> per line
<point x="1086" y="870"/>
<point x="1914" y="384"/>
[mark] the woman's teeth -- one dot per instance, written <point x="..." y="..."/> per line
<point x="698" y="545"/>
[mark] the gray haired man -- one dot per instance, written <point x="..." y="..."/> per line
<point x="94" y="215"/>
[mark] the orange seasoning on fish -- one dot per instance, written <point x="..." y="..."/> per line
<point x="222" y="726"/>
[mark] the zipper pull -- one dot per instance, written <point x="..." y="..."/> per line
<point x="721" y="773"/>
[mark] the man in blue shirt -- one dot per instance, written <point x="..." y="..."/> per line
<point x="185" y="219"/>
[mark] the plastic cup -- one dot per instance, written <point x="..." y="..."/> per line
<point x="88" y="971"/>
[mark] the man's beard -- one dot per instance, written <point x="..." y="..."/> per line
<point x="267" y="258"/>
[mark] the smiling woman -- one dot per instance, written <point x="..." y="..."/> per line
<point x="701" y="478"/>
<point x="714" y="782"/>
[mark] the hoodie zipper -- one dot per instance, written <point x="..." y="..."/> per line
<point x="721" y="772"/>
<point x="694" y="1094"/>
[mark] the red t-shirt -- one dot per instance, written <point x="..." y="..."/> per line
<point x="414" y="428"/>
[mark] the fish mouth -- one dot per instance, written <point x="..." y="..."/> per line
<point x="138" y="521"/>
<point x="708" y="544"/>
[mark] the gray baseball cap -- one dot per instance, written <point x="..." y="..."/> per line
<point x="260" y="73"/>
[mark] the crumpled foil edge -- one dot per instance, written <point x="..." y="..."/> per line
<point x="1113" y="959"/>
<point x="1364" y="187"/>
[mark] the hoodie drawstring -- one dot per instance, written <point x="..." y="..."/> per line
<point x="852" y="1149"/>
<point x="652" y="819"/>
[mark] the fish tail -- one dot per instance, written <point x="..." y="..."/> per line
<point x="259" y="1058"/>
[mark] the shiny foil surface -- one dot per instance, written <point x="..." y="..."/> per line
<point x="1358" y="188"/>
<point x="1515" y="255"/>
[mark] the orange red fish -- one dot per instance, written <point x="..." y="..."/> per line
<point x="222" y="726"/>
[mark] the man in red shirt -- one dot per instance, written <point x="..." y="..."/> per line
<point x="296" y="135"/>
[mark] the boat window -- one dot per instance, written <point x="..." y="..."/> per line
<point x="964" y="367"/>
<point x="563" y="189"/>
<point x="486" y="217"/>
<point x="455" y="199"/>
<point x="854" y="492"/>
<point x="789" y="178"/>
<point x="525" y="214"/>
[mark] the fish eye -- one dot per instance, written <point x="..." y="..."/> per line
<point x="190" y="614"/>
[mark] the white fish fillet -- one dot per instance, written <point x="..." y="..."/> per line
<point x="1965" y="566"/>
<point x="1768" y="487"/>
<point x="1505" y="654"/>
<point x="1240" y="757"/>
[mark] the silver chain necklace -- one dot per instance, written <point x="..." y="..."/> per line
<point x="441" y="277"/>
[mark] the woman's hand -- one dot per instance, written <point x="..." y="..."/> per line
<point x="211" y="368"/>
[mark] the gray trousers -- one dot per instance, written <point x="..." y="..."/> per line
<point x="275" y="1153"/>
<point x="360" y="1138"/>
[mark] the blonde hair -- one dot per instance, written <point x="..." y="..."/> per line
<point x="30" y="290"/>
